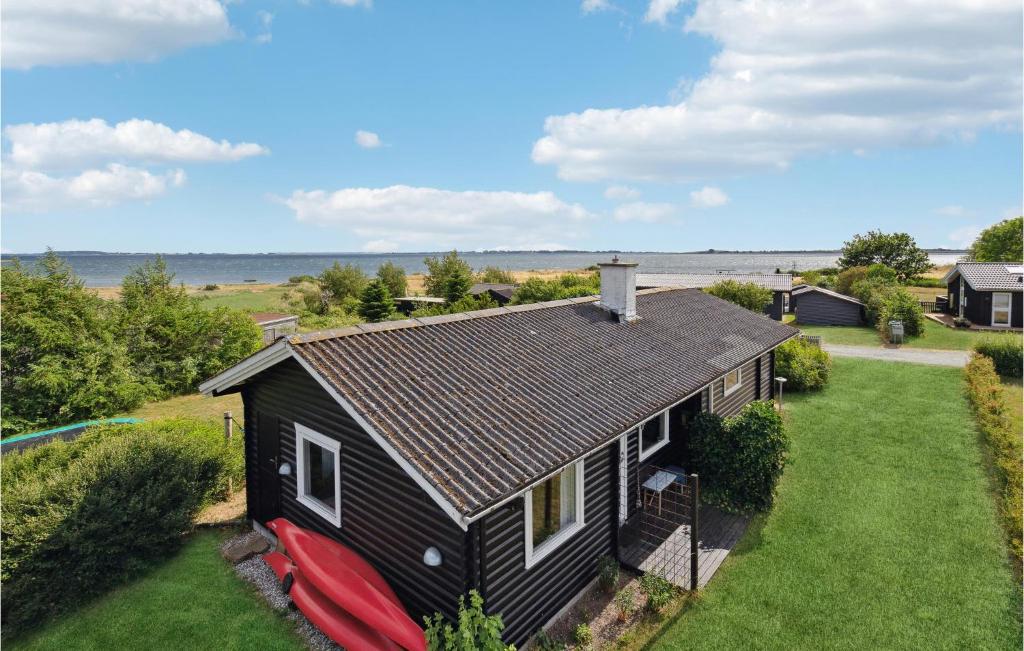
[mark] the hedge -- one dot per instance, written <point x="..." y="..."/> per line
<point x="805" y="366"/>
<point x="79" y="518"/>
<point x="739" y="459"/>
<point x="1006" y="354"/>
<point x="990" y="402"/>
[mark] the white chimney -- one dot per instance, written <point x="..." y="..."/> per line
<point x="618" y="288"/>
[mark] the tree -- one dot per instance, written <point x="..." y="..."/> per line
<point x="749" y="295"/>
<point x="570" y="285"/>
<point x="496" y="275"/>
<point x="375" y="303"/>
<point x="440" y="270"/>
<point x="393" y="278"/>
<point x="342" y="282"/>
<point x="1002" y="242"/>
<point x="896" y="250"/>
<point x="61" y="361"/>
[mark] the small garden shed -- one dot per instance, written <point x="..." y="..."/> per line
<point x="819" y="306"/>
<point x="987" y="294"/>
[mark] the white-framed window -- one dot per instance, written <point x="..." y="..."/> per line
<point x="733" y="380"/>
<point x="653" y="435"/>
<point x="318" y="461"/>
<point x="1001" y="308"/>
<point x="554" y="512"/>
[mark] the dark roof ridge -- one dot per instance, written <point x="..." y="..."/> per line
<point x="365" y="328"/>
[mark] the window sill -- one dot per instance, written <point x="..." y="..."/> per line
<point x="644" y="454"/>
<point x="729" y="392"/>
<point x="325" y="512"/>
<point x="551" y="544"/>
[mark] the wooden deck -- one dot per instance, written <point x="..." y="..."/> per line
<point x="666" y="551"/>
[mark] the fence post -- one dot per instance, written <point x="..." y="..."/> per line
<point x="694" y="529"/>
<point x="228" y="430"/>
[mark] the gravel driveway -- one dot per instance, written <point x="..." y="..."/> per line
<point x="955" y="358"/>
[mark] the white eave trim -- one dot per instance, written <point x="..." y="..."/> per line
<point x="260" y="361"/>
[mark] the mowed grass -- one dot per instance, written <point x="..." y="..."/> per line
<point x="884" y="533"/>
<point x="268" y="298"/>
<point x="195" y="406"/>
<point x="936" y="336"/>
<point x="193" y="601"/>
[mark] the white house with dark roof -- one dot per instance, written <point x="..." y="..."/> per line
<point x="987" y="294"/>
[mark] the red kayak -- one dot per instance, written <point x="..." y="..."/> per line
<point x="325" y="570"/>
<point x="354" y="561"/>
<point x="336" y="624"/>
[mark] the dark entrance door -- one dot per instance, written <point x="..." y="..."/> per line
<point x="268" y="446"/>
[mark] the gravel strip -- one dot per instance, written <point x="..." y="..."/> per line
<point x="953" y="358"/>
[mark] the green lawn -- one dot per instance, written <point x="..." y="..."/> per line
<point x="884" y="534"/>
<point x="195" y="406"/>
<point x="262" y="299"/>
<point x="194" y="601"/>
<point x="936" y="336"/>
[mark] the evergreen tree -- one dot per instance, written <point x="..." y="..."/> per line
<point x="375" y="304"/>
<point x="440" y="270"/>
<point x="456" y="286"/>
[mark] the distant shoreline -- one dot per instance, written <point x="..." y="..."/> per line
<point x="473" y="252"/>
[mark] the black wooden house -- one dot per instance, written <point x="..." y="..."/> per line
<point x="987" y="294"/>
<point x="436" y="447"/>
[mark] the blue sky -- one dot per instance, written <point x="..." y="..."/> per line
<point x="657" y="125"/>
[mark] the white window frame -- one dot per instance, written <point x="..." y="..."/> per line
<point x="662" y="441"/>
<point x="535" y="555"/>
<point x="726" y="391"/>
<point x="1009" y="309"/>
<point x="302" y="435"/>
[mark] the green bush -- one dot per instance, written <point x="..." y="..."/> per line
<point x="393" y="278"/>
<point x="342" y="282"/>
<point x="583" y="636"/>
<point x="749" y="295"/>
<point x="740" y="459"/>
<point x="607" y="573"/>
<point x="848" y="277"/>
<point x="625" y="602"/>
<point x="1005" y="352"/>
<point x="209" y="287"/>
<point x="375" y="303"/>
<point x="535" y="290"/>
<point x="441" y="270"/>
<point x="922" y="281"/>
<point x="81" y="517"/>
<point x="496" y="275"/>
<point x="805" y="366"/>
<point x="991" y="405"/>
<point x="897" y="304"/>
<point x="658" y="590"/>
<point x="304" y="278"/>
<point x="477" y="631"/>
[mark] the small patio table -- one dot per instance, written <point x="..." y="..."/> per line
<point x="657" y="483"/>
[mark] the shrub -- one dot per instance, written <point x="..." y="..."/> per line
<point x="805" y="366"/>
<point x="1005" y="352"/>
<point x="740" y="459"/>
<point x="658" y="590"/>
<point x="477" y="631"/>
<point x="848" y="277"/>
<point x="583" y="635"/>
<point x="922" y="281"/>
<point x="375" y="303"/>
<point x="81" y="517"/>
<point x="393" y="278"/>
<point x="440" y="270"/>
<point x="625" y="602"/>
<point x="209" y="287"/>
<point x="897" y="304"/>
<point x="607" y="573"/>
<point x="991" y="405"/>
<point x="342" y="282"/>
<point x="304" y="278"/>
<point x="543" y="642"/>
<point x="496" y="275"/>
<point x="536" y="290"/>
<point x="749" y="295"/>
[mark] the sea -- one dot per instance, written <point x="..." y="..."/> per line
<point x="108" y="269"/>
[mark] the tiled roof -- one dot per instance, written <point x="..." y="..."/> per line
<point x="268" y="317"/>
<point x="799" y="290"/>
<point x="482" y="404"/>
<point x="990" y="276"/>
<point x="774" y="282"/>
<point x="502" y="289"/>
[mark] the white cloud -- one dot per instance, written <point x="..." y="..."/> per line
<point x="801" y="79"/>
<point x="641" y="211"/>
<point x="90" y="163"/>
<point x="81" y="142"/>
<point x="619" y="192"/>
<point x="964" y="236"/>
<point x="401" y="217"/>
<point x="33" y="191"/>
<point x="658" y="11"/>
<point x="66" y="32"/>
<point x="354" y="3"/>
<point x="368" y="139"/>
<point x="266" y="20"/>
<point x="708" y="197"/>
<point x="953" y="211"/>
<point x="590" y="6"/>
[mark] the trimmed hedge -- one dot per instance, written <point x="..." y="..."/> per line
<point x="740" y="459"/>
<point x="1005" y="352"/>
<point x="805" y="366"/>
<point x="79" y="518"/>
<point x="991" y="407"/>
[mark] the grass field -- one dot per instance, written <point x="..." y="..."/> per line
<point x="195" y="406"/>
<point x="884" y="534"/>
<point x="194" y="601"/>
<point x="936" y="336"/>
<point x="265" y="298"/>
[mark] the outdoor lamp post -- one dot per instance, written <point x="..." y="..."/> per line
<point x="781" y="381"/>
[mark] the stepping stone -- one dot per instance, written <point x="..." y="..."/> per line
<point x="244" y="547"/>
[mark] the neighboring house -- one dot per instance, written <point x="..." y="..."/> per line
<point x="409" y="304"/>
<point x="780" y="284"/>
<point x="505" y="442"/>
<point x="987" y="293"/>
<point x="819" y="306"/>
<point x="501" y="293"/>
<point x="275" y="324"/>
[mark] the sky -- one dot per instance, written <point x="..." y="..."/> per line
<point x="378" y="126"/>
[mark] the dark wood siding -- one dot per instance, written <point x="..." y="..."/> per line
<point x="385" y="516"/>
<point x="729" y="405"/>
<point x="814" y="308"/>
<point x="527" y="599"/>
<point x="767" y="376"/>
